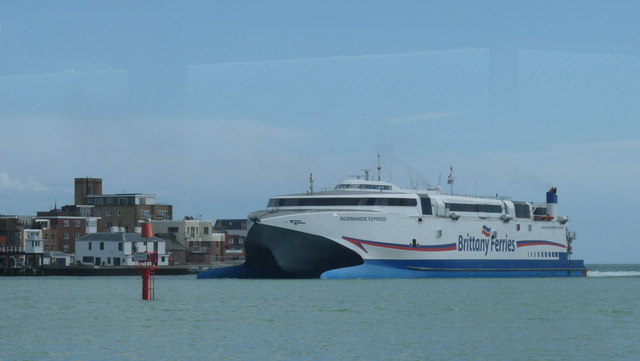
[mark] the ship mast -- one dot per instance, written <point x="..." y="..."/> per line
<point x="450" y="180"/>
<point x="379" y="167"/>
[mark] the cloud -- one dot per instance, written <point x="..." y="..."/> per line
<point x="423" y="117"/>
<point x="28" y="184"/>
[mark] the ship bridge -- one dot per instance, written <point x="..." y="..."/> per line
<point x="365" y="185"/>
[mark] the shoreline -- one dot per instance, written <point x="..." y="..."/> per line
<point x="108" y="270"/>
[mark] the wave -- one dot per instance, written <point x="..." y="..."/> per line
<point x="613" y="273"/>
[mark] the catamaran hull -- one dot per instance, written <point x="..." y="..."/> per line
<point x="275" y="252"/>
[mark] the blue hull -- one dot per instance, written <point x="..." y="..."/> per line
<point x="373" y="269"/>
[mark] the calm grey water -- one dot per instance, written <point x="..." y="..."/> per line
<point x="103" y="318"/>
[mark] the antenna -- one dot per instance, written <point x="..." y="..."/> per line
<point x="379" y="167"/>
<point x="450" y="180"/>
<point x="310" y="183"/>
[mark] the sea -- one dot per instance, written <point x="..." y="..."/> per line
<point x="104" y="318"/>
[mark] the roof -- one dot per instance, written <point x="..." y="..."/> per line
<point x="118" y="237"/>
<point x="227" y="224"/>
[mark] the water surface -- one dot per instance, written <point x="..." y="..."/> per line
<point x="103" y="318"/>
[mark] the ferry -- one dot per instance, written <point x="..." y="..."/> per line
<point x="367" y="228"/>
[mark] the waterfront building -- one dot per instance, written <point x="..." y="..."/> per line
<point x="62" y="226"/>
<point x="235" y="235"/>
<point x="20" y="245"/>
<point x="189" y="240"/>
<point x="118" y="249"/>
<point x="123" y="210"/>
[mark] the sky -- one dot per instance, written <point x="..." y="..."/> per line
<point x="215" y="106"/>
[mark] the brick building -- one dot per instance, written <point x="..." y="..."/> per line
<point x="61" y="227"/>
<point x="235" y="235"/>
<point x="122" y="210"/>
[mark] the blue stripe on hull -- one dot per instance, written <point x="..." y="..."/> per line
<point x="458" y="269"/>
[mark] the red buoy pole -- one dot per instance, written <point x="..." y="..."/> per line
<point x="147" y="265"/>
<point x="146" y="284"/>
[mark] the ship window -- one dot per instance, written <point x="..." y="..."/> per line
<point x="375" y="186"/>
<point x="522" y="210"/>
<point x="341" y="201"/>
<point x="540" y="211"/>
<point x="489" y="208"/>
<point x="425" y="202"/>
<point x="485" y="208"/>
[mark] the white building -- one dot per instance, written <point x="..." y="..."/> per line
<point x="118" y="249"/>
<point x="33" y="242"/>
<point x="195" y="235"/>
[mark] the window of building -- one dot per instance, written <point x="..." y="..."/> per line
<point x="122" y="201"/>
<point x="53" y="236"/>
<point x="77" y="223"/>
<point x="66" y="235"/>
<point x="77" y="235"/>
<point x="162" y="215"/>
<point x="118" y="212"/>
<point x="173" y="229"/>
<point x="102" y="245"/>
<point x="120" y="246"/>
<point x="108" y="260"/>
<point x="97" y="213"/>
<point x="144" y="214"/>
<point x="65" y="223"/>
<point x="110" y="200"/>
<point x="99" y="201"/>
<point x="162" y="259"/>
<point x="90" y="246"/>
<point x="109" y="213"/>
<point x="206" y="230"/>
